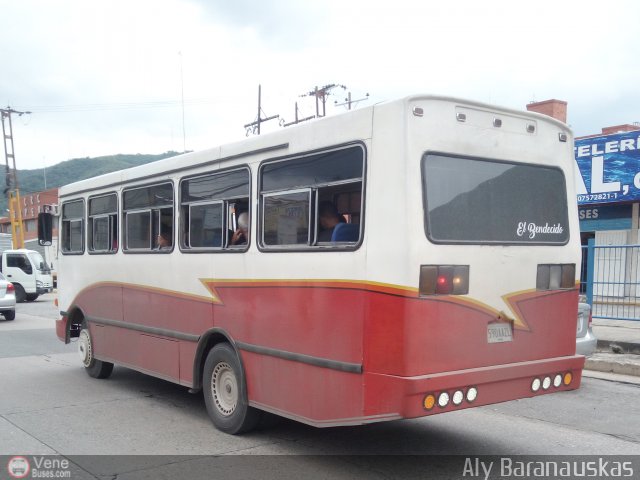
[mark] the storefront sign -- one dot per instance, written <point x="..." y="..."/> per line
<point x="596" y="218"/>
<point x="609" y="168"/>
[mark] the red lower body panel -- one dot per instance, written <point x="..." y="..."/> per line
<point x="339" y="353"/>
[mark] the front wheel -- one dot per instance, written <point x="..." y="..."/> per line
<point x="31" y="297"/>
<point x="225" y="392"/>
<point x="21" y="295"/>
<point x="95" y="368"/>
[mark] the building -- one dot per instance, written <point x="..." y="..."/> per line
<point x="31" y="205"/>
<point x="608" y="188"/>
<point x="607" y="177"/>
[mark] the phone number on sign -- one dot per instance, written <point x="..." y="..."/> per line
<point x="597" y="196"/>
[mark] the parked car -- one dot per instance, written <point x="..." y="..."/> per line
<point x="586" y="341"/>
<point x="7" y="298"/>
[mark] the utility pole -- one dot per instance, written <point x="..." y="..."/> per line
<point x="349" y="102"/>
<point x="298" y="120"/>
<point x="11" y="178"/>
<point x="254" y="127"/>
<point x="322" y="94"/>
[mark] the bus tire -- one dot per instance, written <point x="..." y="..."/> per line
<point x="95" y="368"/>
<point x="21" y="295"/>
<point x="225" y="392"/>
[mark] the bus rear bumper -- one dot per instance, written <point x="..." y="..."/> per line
<point x="406" y="396"/>
<point x="62" y="330"/>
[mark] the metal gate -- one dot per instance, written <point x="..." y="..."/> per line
<point x="610" y="278"/>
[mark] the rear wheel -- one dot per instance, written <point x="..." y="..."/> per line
<point x="9" y="314"/>
<point x="32" y="296"/>
<point x="225" y="392"/>
<point x="21" y="295"/>
<point x="95" y="368"/>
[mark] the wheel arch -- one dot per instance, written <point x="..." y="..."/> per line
<point x="76" y="318"/>
<point x="207" y="341"/>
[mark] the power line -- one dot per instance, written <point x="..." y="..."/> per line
<point x="88" y="107"/>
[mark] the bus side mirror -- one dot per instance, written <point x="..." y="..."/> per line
<point x="45" y="229"/>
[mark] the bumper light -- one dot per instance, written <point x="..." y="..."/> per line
<point x="568" y="378"/>
<point x="546" y="383"/>
<point x="472" y="394"/>
<point x="536" y="384"/>
<point x="557" y="380"/>
<point x="429" y="402"/>
<point x="443" y="399"/>
<point x="458" y="397"/>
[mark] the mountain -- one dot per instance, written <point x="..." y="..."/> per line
<point x="74" y="170"/>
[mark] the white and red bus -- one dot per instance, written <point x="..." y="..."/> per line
<point x="448" y="281"/>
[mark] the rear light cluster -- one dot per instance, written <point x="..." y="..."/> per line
<point x="443" y="399"/>
<point x="556" y="276"/>
<point x="10" y="287"/>
<point x="545" y="383"/>
<point x="444" y="279"/>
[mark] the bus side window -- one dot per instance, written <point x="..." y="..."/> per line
<point x="304" y="198"/>
<point x="103" y="224"/>
<point x="210" y="206"/>
<point x="147" y="213"/>
<point x="72" y="241"/>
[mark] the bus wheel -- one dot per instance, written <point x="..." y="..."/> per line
<point x="225" y="392"/>
<point x="95" y="368"/>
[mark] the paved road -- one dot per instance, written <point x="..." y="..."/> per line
<point x="48" y="405"/>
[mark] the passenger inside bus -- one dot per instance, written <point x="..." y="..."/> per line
<point x="164" y="241"/>
<point x="241" y="234"/>
<point x="328" y="218"/>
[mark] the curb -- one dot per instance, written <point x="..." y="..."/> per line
<point x="623" y="364"/>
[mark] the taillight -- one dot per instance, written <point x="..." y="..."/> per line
<point x="556" y="276"/>
<point x="444" y="279"/>
<point x="10" y="287"/>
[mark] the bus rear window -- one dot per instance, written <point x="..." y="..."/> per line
<point x="471" y="200"/>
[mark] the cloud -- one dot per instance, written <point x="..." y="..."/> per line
<point x="281" y="24"/>
<point x="108" y="77"/>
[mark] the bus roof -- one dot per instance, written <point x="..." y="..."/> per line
<point x="280" y="142"/>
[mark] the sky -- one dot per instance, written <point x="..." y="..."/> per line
<point x="149" y="76"/>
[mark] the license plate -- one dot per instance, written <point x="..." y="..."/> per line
<point x="499" y="332"/>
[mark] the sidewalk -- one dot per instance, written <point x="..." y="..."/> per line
<point x="618" y="347"/>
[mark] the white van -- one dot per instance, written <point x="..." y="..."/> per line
<point x="28" y="272"/>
